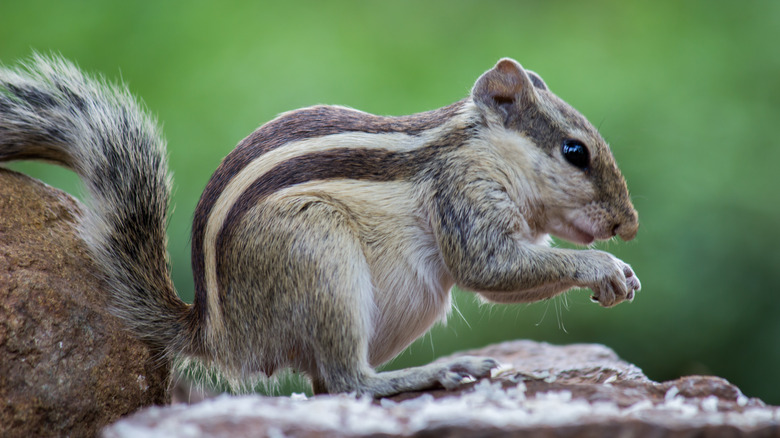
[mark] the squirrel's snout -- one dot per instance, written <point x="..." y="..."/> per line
<point x="628" y="228"/>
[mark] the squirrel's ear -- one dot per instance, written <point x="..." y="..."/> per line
<point x="536" y="80"/>
<point x="504" y="85"/>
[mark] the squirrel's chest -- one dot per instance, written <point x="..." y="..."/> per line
<point x="410" y="284"/>
<point x="411" y="293"/>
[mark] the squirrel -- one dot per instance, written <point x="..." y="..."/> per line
<point x="329" y="239"/>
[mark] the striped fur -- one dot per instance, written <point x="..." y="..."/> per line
<point x="292" y="127"/>
<point x="365" y="154"/>
<point x="329" y="239"/>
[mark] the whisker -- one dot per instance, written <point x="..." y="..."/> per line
<point x="456" y="308"/>
<point x="559" y="316"/>
<point x="547" y="307"/>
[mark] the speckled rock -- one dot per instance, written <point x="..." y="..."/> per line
<point x="66" y="365"/>
<point x="541" y="390"/>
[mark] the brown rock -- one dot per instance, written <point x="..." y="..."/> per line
<point x="66" y="365"/>
<point x="543" y="391"/>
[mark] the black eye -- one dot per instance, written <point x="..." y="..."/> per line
<point x="576" y="154"/>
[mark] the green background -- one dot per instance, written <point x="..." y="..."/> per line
<point x="686" y="92"/>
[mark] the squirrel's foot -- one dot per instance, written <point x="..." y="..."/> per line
<point x="450" y="374"/>
<point x="453" y="373"/>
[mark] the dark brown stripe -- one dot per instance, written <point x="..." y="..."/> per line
<point x="343" y="163"/>
<point x="545" y="130"/>
<point x="300" y="125"/>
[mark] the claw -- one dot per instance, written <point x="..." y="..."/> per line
<point x="451" y="380"/>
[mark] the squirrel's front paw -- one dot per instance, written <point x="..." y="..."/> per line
<point x="613" y="281"/>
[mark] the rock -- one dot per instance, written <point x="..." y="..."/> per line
<point x="543" y="390"/>
<point x="66" y="366"/>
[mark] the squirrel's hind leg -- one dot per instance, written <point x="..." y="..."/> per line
<point x="318" y="296"/>
<point x="363" y="380"/>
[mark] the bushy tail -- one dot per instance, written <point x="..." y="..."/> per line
<point x="50" y="111"/>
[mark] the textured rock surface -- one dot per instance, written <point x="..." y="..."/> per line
<point x="66" y="366"/>
<point x="543" y="390"/>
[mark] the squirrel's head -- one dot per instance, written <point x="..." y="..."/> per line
<point x="577" y="190"/>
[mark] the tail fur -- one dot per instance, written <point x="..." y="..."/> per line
<point x="50" y="111"/>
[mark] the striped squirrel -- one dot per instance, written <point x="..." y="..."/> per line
<point x="329" y="239"/>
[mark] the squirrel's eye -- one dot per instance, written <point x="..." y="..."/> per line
<point x="576" y="154"/>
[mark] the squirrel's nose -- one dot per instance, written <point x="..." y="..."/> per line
<point x="627" y="228"/>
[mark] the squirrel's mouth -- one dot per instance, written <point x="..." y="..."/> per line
<point x="574" y="234"/>
<point x="571" y="232"/>
<point x="582" y="237"/>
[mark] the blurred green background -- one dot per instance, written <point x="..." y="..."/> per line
<point x="686" y="92"/>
